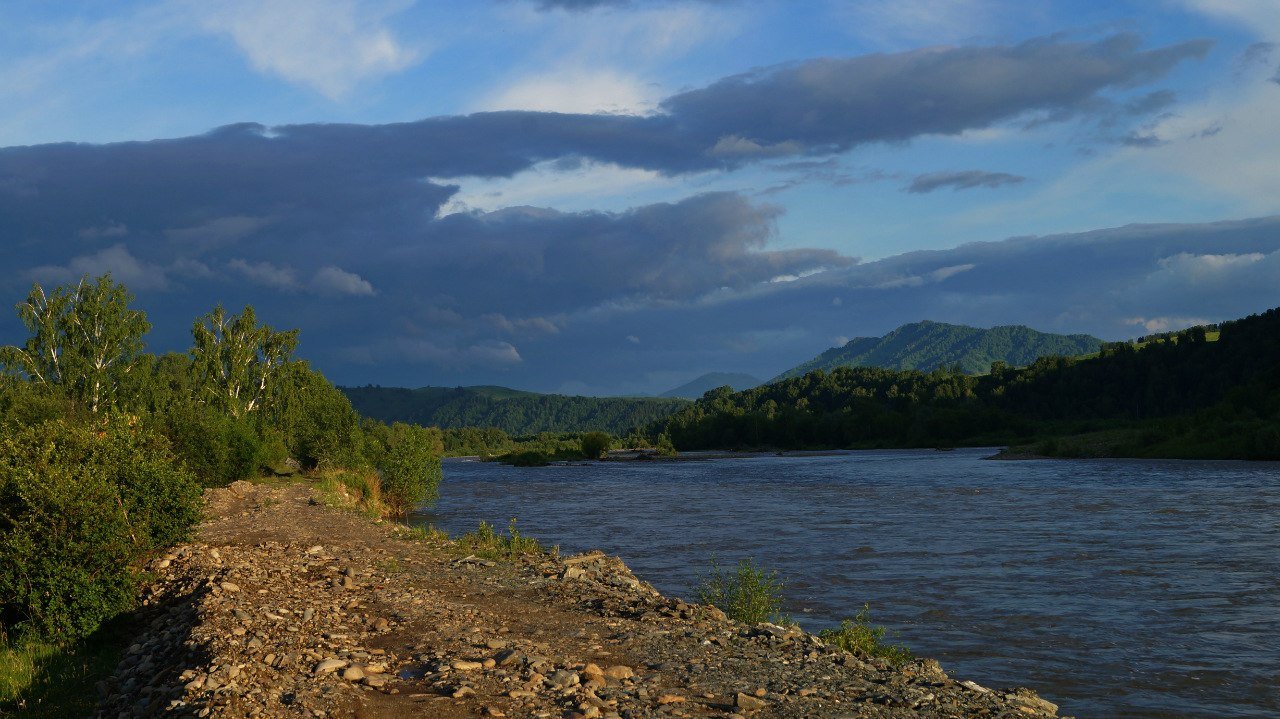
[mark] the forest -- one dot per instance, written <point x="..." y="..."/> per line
<point x="514" y="412"/>
<point x="105" y="448"/>
<point x="1189" y="394"/>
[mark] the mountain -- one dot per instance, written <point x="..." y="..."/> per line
<point x="711" y="380"/>
<point x="513" y="411"/>
<point x="926" y="346"/>
<point x="1202" y="393"/>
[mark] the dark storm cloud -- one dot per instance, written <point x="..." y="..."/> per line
<point x="336" y="228"/>
<point x="831" y="105"/>
<point x="1112" y="283"/>
<point x="962" y="180"/>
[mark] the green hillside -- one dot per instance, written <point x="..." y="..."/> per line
<point x="926" y="346"/>
<point x="700" y="386"/>
<point x="513" y="411"/>
<point x="1177" y="395"/>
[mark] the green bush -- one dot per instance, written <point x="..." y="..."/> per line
<point x="408" y="458"/>
<point x="859" y="636"/>
<point x="78" y="505"/>
<point x="748" y="594"/>
<point x="595" y="445"/>
<point x="216" y="447"/>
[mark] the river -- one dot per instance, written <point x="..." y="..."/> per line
<point x="1116" y="588"/>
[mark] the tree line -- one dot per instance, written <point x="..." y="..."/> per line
<point x="1186" y="396"/>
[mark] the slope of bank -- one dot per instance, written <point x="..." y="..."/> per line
<point x="284" y="608"/>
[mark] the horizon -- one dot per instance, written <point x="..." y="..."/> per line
<point x="613" y="198"/>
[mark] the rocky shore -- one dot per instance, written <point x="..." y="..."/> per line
<point x="286" y="608"/>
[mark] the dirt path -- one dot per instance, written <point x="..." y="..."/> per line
<point x="286" y="608"/>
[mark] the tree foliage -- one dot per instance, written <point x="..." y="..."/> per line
<point x="237" y="358"/>
<point x="84" y="340"/>
<point x="1183" y="396"/>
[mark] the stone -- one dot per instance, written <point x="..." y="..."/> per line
<point x="330" y="666"/>
<point x="750" y="703"/>
<point x="671" y="699"/>
<point x="353" y="674"/>
<point x="619" y="672"/>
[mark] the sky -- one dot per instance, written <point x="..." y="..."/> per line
<point x="614" y="197"/>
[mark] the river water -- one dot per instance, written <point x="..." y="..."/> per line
<point x="1115" y="588"/>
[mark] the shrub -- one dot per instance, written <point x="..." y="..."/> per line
<point x="216" y="447"/>
<point x="595" y="445"/>
<point x="78" y="505"/>
<point x="352" y="489"/>
<point x="748" y="594"/>
<point x="408" y="457"/>
<point x="859" y="636"/>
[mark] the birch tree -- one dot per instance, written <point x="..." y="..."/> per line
<point x="237" y="359"/>
<point x="84" y="340"/>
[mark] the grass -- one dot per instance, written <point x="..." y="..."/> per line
<point x="487" y="543"/>
<point x="859" y="636"/>
<point x="747" y="594"/>
<point x="42" y="680"/>
<point x="359" y="491"/>
<point x="424" y="534"/>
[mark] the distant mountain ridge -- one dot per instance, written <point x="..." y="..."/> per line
<point x="700" y="386"/>
<point x="515" y="412"/>
<point x="927" y="345"/>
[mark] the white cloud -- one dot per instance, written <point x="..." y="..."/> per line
<point x="337" y="281"/>
<point x="576" y="90"/>
<point x="330" y="46"/>
<point x="584" y="186"/>
<point x="266" y="274"/>
<point x="123" y="266"/>
<point x="1166" y="324"/>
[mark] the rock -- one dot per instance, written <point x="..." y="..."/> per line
<point x="353" y="674"/>
<point x="671" y="699"/>
<point x="230" y="587"/>
<point x="330" y="666"/>
<point x="466" y="666"/>
<point x="747" y="702"/>
<point x="619" y="672"/>
<point x="461" y="692"/>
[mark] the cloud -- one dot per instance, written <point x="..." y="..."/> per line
<point x="266" y="274"/>
<point x="1166" y="324"/>
<point x="123" y="266"/>
<point x="330" y="46"/>
<point x="580" y="90"/>
<point x="831" y="105"/>
<point x="337" y="281"/>
<point x="962" y="180"/>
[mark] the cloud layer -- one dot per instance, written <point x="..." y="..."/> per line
<point x="340" y="229"/>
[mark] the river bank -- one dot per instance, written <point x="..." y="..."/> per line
<point x="285" y="607"/>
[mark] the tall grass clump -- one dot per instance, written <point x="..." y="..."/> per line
<point x="747" y="594"/>
<point x="488" y="543"/>
<point x="859" y="636"/>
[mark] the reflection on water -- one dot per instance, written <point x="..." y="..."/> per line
<point x="1115" y="588"/>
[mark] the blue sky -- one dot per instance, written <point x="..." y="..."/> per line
<point x="604" y="196"/>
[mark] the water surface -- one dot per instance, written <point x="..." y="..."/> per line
<point x="1116" y="588"/>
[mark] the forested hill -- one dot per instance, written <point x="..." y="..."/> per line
<point x="1181" y="395"/>
<point x="513" y="411"/>
<point x="926" y="346"/>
